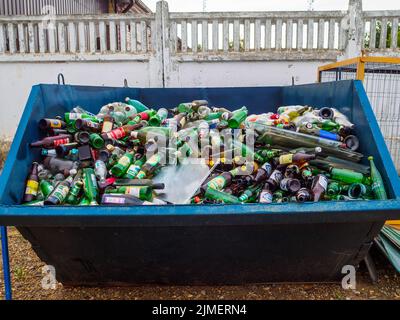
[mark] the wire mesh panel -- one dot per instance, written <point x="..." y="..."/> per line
<point x="348" y="72"/>
<point x="382" y="85"/>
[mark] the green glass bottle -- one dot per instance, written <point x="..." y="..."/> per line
<point x="134" y="168"/>
<point x="253" y="191"/>
<point x="157" y="119"/>
<point x="248" y="152"/>
<point x="90" y="184"/>
<point x="123" y="164"/>
<point x="378" y="186"/>
<point x="143" y="192"/>
<point x="59" y="193"/>
<point x="140" y="107"/>
<point x="358" y="190"/>
<point x="71" y="117"/>
<point x="334" y="188"/>
<point x="237" y="118"/>
<point x="150" y="165"/>
<point x="96" y="141"/>
<point x="347" y="176"/>
<point x="224" y="197"/>
<point x="84" y="202"/>
<point x="73" y="196"/>
<point x="46" y="187"/>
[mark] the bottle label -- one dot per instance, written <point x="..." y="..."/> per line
<point x="60" y="141"/>
<point x="133" y="171"/>
<point x="133" y="191"/>
<point x="107" y="126"/>
<point x="115" y="200"/>
<point x="94" y="181"/>
<point x="117" y="134"/>
<point x="60" y="193"/>
<point x="75" y="116"/>
<point x="276" y="176"/>
<point x="124" y="161"/>
<point x="286" y="159"/>
<point x="284" y="183"/>
<point x="265" y="197"/>
<point x="55" y="124"/>
<point x="217" y="183"/>
<point x="154" y="160"/>
<point x="32" y="187"/>
<point x="323" y="182"/>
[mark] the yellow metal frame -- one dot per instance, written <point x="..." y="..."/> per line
<point x="360" y="62"/>
<point x="360" y="74"/>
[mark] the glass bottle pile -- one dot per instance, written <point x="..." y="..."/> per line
<point x="297" y="154"/>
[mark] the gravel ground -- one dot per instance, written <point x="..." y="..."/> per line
<point x="26" y="278"/>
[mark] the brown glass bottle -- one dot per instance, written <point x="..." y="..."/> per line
<point x="32" y="184"/>
<point x="263" y="173"/>
<point x="319" y="186"/>
<point x="87" y="125"/>
<point x="303" y="195"/>
<point x="295" y="158"/>
<point x="274" y="180"/>
<point x="50" y="142"/>
<point x="45" y="124"/>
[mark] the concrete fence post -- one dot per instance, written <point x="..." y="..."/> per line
<point x="354" y="28"/>
<point x="156" y="62"/>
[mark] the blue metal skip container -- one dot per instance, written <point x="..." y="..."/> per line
<point x="202" y="244"/>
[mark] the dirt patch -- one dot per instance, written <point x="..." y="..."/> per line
<point x="26" y="269"/>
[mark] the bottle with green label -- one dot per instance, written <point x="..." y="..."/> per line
<point x="90" y="184"/>
<point x="378" y="186"/>
<point x="134" y="168"/>
<point x="59" y="193"/>
<point x="73" y="195"/>
<point x="123" y="164"/>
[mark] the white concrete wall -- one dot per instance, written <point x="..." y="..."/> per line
<point x="243" y="73"/>
<point x="16" y="80"/>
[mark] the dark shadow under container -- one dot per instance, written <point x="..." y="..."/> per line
<point x="223" y="244"/>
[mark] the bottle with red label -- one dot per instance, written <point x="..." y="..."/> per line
<point x="51" y="142"/>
